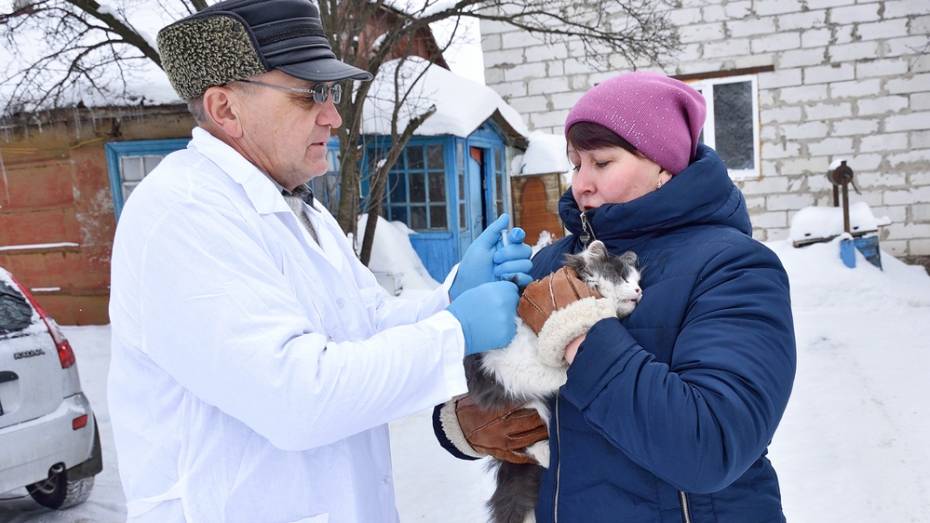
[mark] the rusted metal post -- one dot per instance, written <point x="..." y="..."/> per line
<point x="842" y="176"/>
<point x="846" y="226"/>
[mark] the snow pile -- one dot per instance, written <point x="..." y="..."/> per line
<point x="461" y="104"/>
<point x="392" y="252"/>
<point x="852" y="445"/>
<point x="827" y="222"/>
<point x="545" y="239"/>
<point x="545" y="154"/>
<point x="819" y="280"/>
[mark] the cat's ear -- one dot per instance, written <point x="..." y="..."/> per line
<point x="629" y="257"/>
<point x="576" y="262"/>
<point x="597" y="250"/>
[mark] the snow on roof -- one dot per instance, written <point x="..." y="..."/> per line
<point x="420" y="8"/>
<point x="827" y="222"/>
<point x="545" y="154"/>
<point x="819" y="280"/>
<point x="461" y="104"/>
<point x="145" y="82"/>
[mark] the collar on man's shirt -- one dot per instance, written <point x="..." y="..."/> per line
<point x="261" y="190"/>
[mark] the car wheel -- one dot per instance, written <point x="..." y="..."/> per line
<point x="57" y="492"/>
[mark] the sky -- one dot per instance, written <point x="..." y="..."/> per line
<point x="147" y="81"/>
<point x="464" y="55"/>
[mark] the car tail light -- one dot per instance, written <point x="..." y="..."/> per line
<point x="79" y="422"/>
<point x="65" y="352"/>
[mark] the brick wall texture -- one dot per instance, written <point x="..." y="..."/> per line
<point x="851" y="80"/>
<point x="55" y="192"/>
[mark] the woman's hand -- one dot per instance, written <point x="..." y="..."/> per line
<point x="572" y="348"/>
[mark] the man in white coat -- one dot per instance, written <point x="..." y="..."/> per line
<point x="255" y="361"/>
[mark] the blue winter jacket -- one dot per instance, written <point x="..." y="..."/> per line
<point x="666" y="415"/>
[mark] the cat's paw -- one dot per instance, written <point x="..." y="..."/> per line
<point x="540" y="452"/>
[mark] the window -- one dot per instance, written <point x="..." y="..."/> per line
<point x="416" y="190"/>
<point x="129" y="162"/>
<point x="732" y="126"/>
<point x="15" y="311"/>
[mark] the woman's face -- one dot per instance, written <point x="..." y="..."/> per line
<point x="612" y="175"/>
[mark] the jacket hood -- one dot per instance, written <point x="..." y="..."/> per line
<point x="702" y="194"/>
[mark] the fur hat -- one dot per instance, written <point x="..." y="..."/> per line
<point x="660" y="116"/>
<point x="238" y="39"/>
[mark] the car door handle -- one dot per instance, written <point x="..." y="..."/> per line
<point x="6" y="376"/>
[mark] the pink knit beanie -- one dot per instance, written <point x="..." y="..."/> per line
<point x="660" y="116"/>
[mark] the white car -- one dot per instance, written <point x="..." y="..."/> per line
<point x="48" y="435"/>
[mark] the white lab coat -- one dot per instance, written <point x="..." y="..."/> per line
<point x="253" y="371"/>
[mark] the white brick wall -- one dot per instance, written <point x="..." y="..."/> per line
<point x="851" y="79"/>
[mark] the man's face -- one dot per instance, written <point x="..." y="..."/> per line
<point x="285" y="133"/>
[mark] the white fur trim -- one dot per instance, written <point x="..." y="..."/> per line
<point x="540" y="452"/>
<point x="450" y="425"/>
<point x="568" y="323"/>
<point x="518" y="369"/>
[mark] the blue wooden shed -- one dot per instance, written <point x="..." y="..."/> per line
<point x="453" y="178"/>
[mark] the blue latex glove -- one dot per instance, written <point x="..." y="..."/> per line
<point x="512" y="259"/>
<point x="488" y="259"/>
<point x="488" y="315"/>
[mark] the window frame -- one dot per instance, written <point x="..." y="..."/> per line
<point x="706" y="86"/>
<point x="401" y="166"/>
<point x="117" y="150"/>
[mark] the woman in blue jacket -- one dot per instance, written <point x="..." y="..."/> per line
<point x="667" y="414"/>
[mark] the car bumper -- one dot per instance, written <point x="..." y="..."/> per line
<point x="32" y="447"/>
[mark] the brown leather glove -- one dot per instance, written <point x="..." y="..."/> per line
<point x="502" y="433"/>
<point x="541" y="298"/>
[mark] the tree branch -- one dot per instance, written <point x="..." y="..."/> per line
<point x="379" y="181"/>
<point x="126" y="32"/>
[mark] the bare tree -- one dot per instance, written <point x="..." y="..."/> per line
<point x="402" y="91"/>
<point x="368" y="33"/>
<point x="82" y="39"/>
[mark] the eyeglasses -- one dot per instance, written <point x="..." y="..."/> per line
<point x="319" y="93"/>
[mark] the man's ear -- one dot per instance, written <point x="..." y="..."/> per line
<point x="221" y="111"/>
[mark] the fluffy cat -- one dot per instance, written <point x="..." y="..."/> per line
<point x="520" y="372"/>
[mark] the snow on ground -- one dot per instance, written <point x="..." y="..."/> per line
<point x="545" y="154"/>
<point x="106" y="504"/>
<point x="851" y="447"/>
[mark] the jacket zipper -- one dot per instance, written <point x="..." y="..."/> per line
<point x="587" y="232"/>
<point x="558" y="466"/>
<point x="685" y="509"/>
